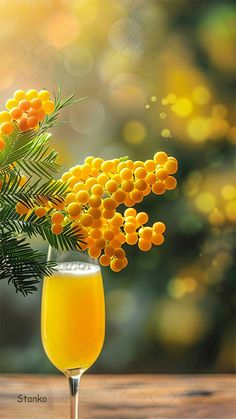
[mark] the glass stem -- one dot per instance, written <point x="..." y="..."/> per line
<point x="74" y="396"/>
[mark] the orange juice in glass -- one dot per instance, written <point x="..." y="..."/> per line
<point x="73" y="317"/>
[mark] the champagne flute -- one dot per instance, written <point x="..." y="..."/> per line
<point x="73" y="317"/>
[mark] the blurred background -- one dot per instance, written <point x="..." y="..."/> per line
<point x="159" y="75"/>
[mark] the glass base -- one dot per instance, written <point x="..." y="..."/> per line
<point x="74" y="372"/>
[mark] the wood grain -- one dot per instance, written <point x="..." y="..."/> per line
<point x="119" y="396"/>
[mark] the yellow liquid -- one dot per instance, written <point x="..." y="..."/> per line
<point x="73" y="316"/>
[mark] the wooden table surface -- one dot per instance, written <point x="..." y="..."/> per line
<point x="121" y="396"/>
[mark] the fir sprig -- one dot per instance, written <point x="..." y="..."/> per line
<point x="33" y="226"/>
<point x="30" y="153"/>
<point x="60" y="103"/>
<point x="30" y="193"/>
<point x="21" y="265"/>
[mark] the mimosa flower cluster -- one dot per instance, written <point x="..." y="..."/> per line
<point x="25" y="110"/>
<point x="95" y="191"/>
<point x="91" y="206"/>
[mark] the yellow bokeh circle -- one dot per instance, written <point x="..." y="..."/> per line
<point x="134" y="132"/>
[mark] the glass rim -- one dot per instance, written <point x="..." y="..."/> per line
<point x="73" y="257"/>
<point x="77" y="268"/>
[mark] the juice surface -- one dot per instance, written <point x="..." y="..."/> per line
<point x="73" y="316"/>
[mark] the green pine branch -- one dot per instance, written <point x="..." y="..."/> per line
<point x="40" y="160"/>
<point x="60" y="103"/>
<point x="70" y="239"/>
<point x="30" y="194"/>
<point x="30" y="153"/>
<point x="17" y="145"/>
<point x="21" y="265"/>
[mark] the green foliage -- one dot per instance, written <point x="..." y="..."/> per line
<point x="30" y="153"/>
<point x="39" y="160"/>
<point x="31" y="193"/>
<point x="124" y="158"/>
<point x="17" y="145"/>
<point x="60" y="103"/>
<point x="20" y="264"/>
<point x="34" y="225"/>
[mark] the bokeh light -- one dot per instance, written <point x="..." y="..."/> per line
<point x="126" y="93"/>
<point x="179" y="324"/>
<point x="165" y="133"/>
<point x="182" y="107"/>
<point x="126" y="35"/>
<point x="228" y="192"/>
<point x="87" y="117"/>
<point x="198" y="129"/>
<point x="205" y="202"/>
<point x="78" y="61"/>
<point x="61" y="30"/>
<point x="201" y="95"/>
<point x="134" y="132"/>
<point x="85" y="10"/>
